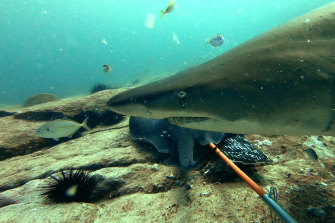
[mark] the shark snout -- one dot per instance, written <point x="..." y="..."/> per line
<point x="118" y="100"/>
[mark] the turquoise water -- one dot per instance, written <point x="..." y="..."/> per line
<point x="57" y="46"/>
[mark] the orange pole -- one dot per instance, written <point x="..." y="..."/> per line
<point x="246" y="179"/>
<point x="284" y="216"/>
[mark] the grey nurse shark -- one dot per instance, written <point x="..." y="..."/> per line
<point x="280" y="82"/>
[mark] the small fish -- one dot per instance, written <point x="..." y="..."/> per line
<point x="60" y="128"/>
<point x="216" y="40"/>
<point x="107" y="68"/>
<point x="169" y="8"/>
<point x="175" y="38"/>
<point x="104" y="41"/>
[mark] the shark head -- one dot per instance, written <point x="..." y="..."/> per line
<point x="176" y="96"/>
<point x="281" y="82"/>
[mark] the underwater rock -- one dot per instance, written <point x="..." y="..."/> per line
<point x="40" y="99"/>
<point x="16" y="131"/>
<point x="5" y="201"/>
<point x="111" y="148"/>
<point x="151" y="191"/>
<point x="16" y="137"/>
<point x="40" y="115"/>
<point x="155" y="190"/>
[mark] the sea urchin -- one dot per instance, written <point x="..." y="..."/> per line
<point x="99" y="87"/>
<point x="71" y="185"/>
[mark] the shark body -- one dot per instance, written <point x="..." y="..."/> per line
<point x="278" y="83"/>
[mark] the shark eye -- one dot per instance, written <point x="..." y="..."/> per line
<point x="182" y="94"/>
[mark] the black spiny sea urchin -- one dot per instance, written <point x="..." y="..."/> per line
<point x="69" y="186"/>
<point x="99" y="87"/>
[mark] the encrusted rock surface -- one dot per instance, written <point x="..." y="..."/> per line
<point x="40" y="99"/>
<point x="16" y="131"/>
<point x="151" y="191"/>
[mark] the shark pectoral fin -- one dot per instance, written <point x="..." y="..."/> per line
<point x="185" y="147"/>
<point x="56" y="139"/>
<point x="154" y="131"/>
<point x="172" y="160"/>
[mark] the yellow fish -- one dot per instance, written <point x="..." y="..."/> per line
<point x="169" y="8"/>
<point x="107" y="68"/>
